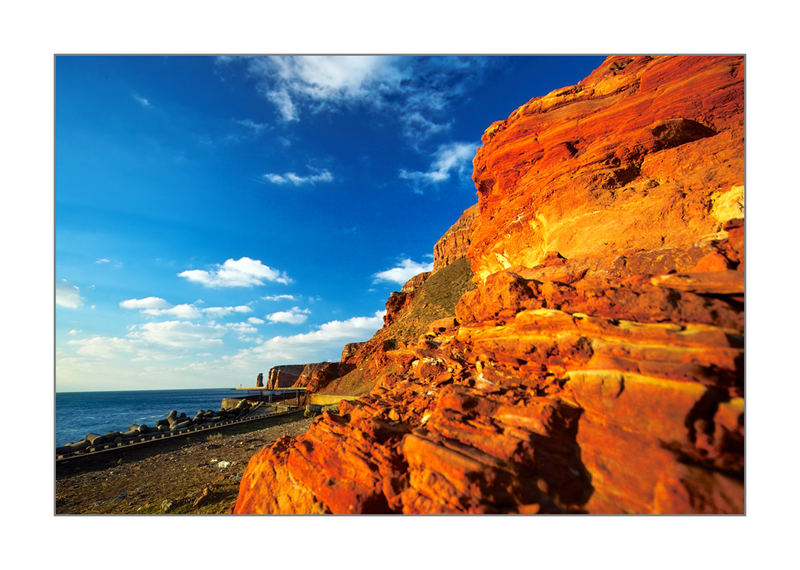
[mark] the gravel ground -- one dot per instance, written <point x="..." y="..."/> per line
<point x="192" y="479"/>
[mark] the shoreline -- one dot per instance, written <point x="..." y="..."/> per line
<point x="197" y="476"/>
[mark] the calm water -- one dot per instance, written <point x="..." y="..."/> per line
<point x="78" y="413"/>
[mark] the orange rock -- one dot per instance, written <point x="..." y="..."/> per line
<point x="599" y="365"/>
<point x="455" y="242"/>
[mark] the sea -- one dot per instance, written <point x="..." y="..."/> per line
<point x="79" y="413"/>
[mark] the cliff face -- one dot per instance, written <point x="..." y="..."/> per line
<point x="598" y="366"/>
<point x="453" y="245"/>
<point x="288" y="375"/>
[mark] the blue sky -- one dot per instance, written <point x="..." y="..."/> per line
<point x="216" y="217"/>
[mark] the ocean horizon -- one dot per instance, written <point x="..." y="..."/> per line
<point x="79" y="413"/>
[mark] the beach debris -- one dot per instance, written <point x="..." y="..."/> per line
<point x="166" y="505"/>
<point x="223" y="464"/>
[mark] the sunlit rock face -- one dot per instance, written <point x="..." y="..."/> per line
<point x="453" y="245"/>
<point x="598" y="366"/>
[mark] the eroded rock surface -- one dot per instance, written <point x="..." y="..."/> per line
<point x="288" y="375"/>
<point x="598" y="365"/>
<point x="453" y="245"/>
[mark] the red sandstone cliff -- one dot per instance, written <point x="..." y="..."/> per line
<point x="288" y="375"/>
<point x="453" y="245"/>
<point x="598" y="366"/>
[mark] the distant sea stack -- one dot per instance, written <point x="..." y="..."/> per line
<point x="596" y="362"/>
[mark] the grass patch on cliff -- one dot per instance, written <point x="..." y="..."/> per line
<point x="435" y="299"/>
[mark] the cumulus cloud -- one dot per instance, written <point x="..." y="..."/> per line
<point x="102" y="346"/>
<point x="103" y="260"/>
<point x="416" y="90"/>
<point x="184" y="311"/>
<point x="68" y="296"/>
<point x="242" y="272"/>
<point x="145" y="303"/>
<point x="242" y="328"/>
<point x="449" y="158"/>
<point x="255" y="321"/>
<point x="403" y="272"/>
<point x="179" y="334"/>
<point x="296" y="180"/>
<point x="321" y="343"/>
<point x="293" y="316"/>
<point x="224" y="311"/>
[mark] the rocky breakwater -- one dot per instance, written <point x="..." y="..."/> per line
<point x="598" y="365"/>
<point x="173" y="424"/>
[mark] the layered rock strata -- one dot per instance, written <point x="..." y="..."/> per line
<point x="288" y="375"/>
<point x="598" y="365"/>
<point x="453" y="245"/>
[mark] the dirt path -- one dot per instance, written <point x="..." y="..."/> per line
<point x="184" y="480"/>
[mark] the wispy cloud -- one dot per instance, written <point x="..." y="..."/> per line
<point x="291" y="178"/>
<point x="293" y="316"/>
<point x="156" y="306"/>
<point x="68" y="296"/>
<point x="403" y="272"/>
<point x="449" y="158"/>
<point x="242" y="272"/>
<point x="106" y="261"/>
<point x="143" y="101"/>
<point x="255" y="127"/>
<point x="416" y="90"/>
<point x="255" y="321"/>
<point x="278" y="297"/>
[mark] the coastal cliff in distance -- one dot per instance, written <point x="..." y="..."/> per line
<point x="598" y="364"/>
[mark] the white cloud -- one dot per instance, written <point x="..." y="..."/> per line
<point x="103" y="260"/>
<point x="278" y="297"/>
<point x="145" y="303"/>
<point x="293" y="316"/>
<point x="184" y="311"/>
<point x="292" y="178"/>
<point x="255" y="321"/>
<point x="283" y="101"/>
<point x="416" y="90"/>
<point x="452" y="157"/>
<point x="289" y="79"/>
<point x="179" y="334"/>
<point x="243" y="272"/>
<point x="224" y="311"/>
<point x="143" y="101"/>
<point x="327" y="340"/>
<point x="403" y="272"/>
<point x="102" y="346"/>
<point x="257" y="128"/>
<point x="68" y="296"/>
<point x="242" y="328"/>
